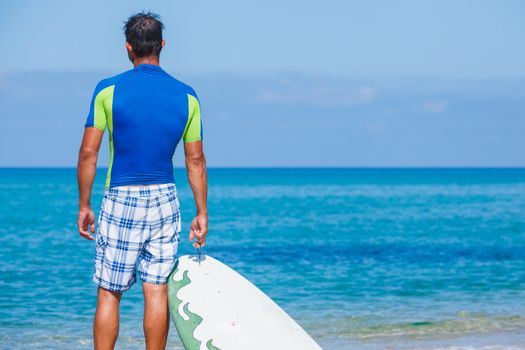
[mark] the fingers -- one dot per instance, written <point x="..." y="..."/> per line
<point x="199" y="244"/>
<point x="201" y="239"/>
<point x="86" y="220"/>
<point x="193" y="228"/>
<point x="84" y="232"/>
<point x="198" y="231"/>
<point x="86" y="235"/>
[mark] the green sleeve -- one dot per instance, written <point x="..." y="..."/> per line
<point x="101" y="109"/>
<point x="193" y="130"/>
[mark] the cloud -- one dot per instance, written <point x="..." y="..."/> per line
<point x="373" y="123"/>
<point x="316" y="92"/>
<point x="434" y="106"/>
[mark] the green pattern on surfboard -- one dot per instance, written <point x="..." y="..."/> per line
<point x="210" y="346"/>
<point x="184" y="327"/>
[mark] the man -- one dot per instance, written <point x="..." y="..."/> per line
<point x="146" y="112"/>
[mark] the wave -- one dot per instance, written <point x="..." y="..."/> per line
<point x="362" y="329"/>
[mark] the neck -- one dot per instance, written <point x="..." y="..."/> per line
<point x="146" y="60"/>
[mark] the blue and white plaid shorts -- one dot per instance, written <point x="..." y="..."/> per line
<point x="138" y="228"/>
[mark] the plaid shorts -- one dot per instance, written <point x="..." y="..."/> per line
<point x="138" y="229"/>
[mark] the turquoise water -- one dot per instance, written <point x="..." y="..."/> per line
<point x="361" y="258"/>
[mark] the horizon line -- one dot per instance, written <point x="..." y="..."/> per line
<point x="517" y="167"/>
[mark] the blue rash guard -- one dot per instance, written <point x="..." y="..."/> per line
<point x="146" y="112"/>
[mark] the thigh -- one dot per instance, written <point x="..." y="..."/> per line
<point x="121" y="233"/>
<point x="159" y="254"/>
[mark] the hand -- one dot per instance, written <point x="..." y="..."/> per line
<point x="85" y="218"/>
<point x="199" y="230"/>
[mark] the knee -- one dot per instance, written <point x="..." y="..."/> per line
<point x="156" y="290"/>
<point x="108" y="296"/>
<point x="155" y="294"/>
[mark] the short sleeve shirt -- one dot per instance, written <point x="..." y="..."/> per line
<point x="146" y="112"/>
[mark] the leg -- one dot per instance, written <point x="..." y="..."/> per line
<point x="156" y="315"/>
<point x="119" y="238"/>
<point x="106" y="324"/>
<point x="155" y="263"/>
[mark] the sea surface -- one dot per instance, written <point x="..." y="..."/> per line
<point x="361" y="258"/>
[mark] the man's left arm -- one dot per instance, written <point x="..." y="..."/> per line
<point x="86" y="170"/>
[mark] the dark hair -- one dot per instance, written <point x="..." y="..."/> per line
<point x="143" y="32"/>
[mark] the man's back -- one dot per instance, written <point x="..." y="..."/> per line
<point x="146" y="112"/>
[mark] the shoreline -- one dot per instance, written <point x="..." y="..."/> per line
<point x="503" y="340"/>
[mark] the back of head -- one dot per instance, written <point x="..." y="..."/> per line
<point x="144" y="33"/>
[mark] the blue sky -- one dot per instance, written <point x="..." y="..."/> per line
<point x="283" y="83"/>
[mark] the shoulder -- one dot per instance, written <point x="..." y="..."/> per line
<point x="181" y="86"/>
<point x="108" y="82"/>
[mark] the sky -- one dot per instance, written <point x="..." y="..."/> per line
<point x="283" y="83"/>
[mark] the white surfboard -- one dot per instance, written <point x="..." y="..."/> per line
<point x="214" y="307"/>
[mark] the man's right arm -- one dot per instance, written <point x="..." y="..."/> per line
<point x="86" y="170"/>
<point x="87" y="158"/>
<point x="196" y="167"/>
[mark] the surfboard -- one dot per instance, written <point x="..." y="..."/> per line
<point x="216" y="308"/>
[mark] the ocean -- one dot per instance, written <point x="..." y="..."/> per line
<point x="361" y="258"/>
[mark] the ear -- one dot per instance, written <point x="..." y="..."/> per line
<point x="163" y="43"/>
<point x="131" y="55"/>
